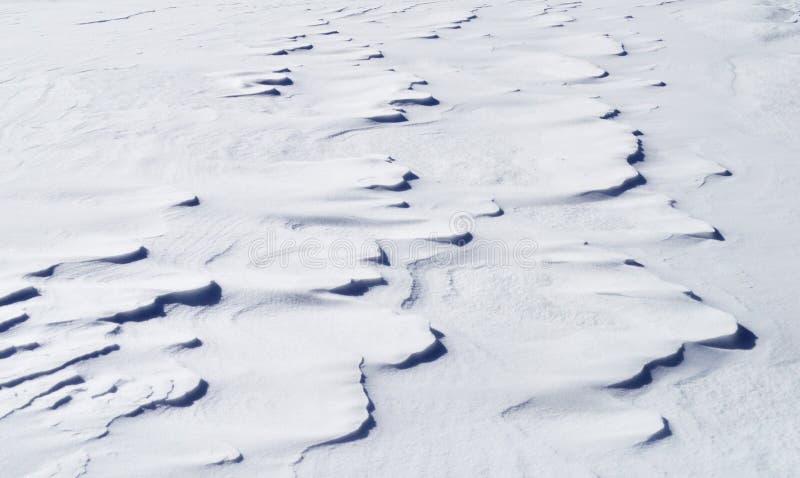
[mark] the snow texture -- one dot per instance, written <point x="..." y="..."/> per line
<point x="400" y="238"/>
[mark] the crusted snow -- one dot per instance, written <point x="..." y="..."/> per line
<point x="404" y="238"/>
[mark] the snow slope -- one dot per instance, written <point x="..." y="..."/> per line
<point x="398" y="239"/>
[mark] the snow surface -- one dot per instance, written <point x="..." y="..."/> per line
<point x="403" y="238"/>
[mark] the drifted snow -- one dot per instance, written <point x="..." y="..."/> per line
<point x="169" y="170"/>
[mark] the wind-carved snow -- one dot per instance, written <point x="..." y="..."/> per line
<point x="172" y="301"/>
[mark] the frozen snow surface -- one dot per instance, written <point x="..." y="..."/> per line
<point x="399" y="238"/>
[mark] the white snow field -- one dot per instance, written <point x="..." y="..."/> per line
<point x="399" y="238"/>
